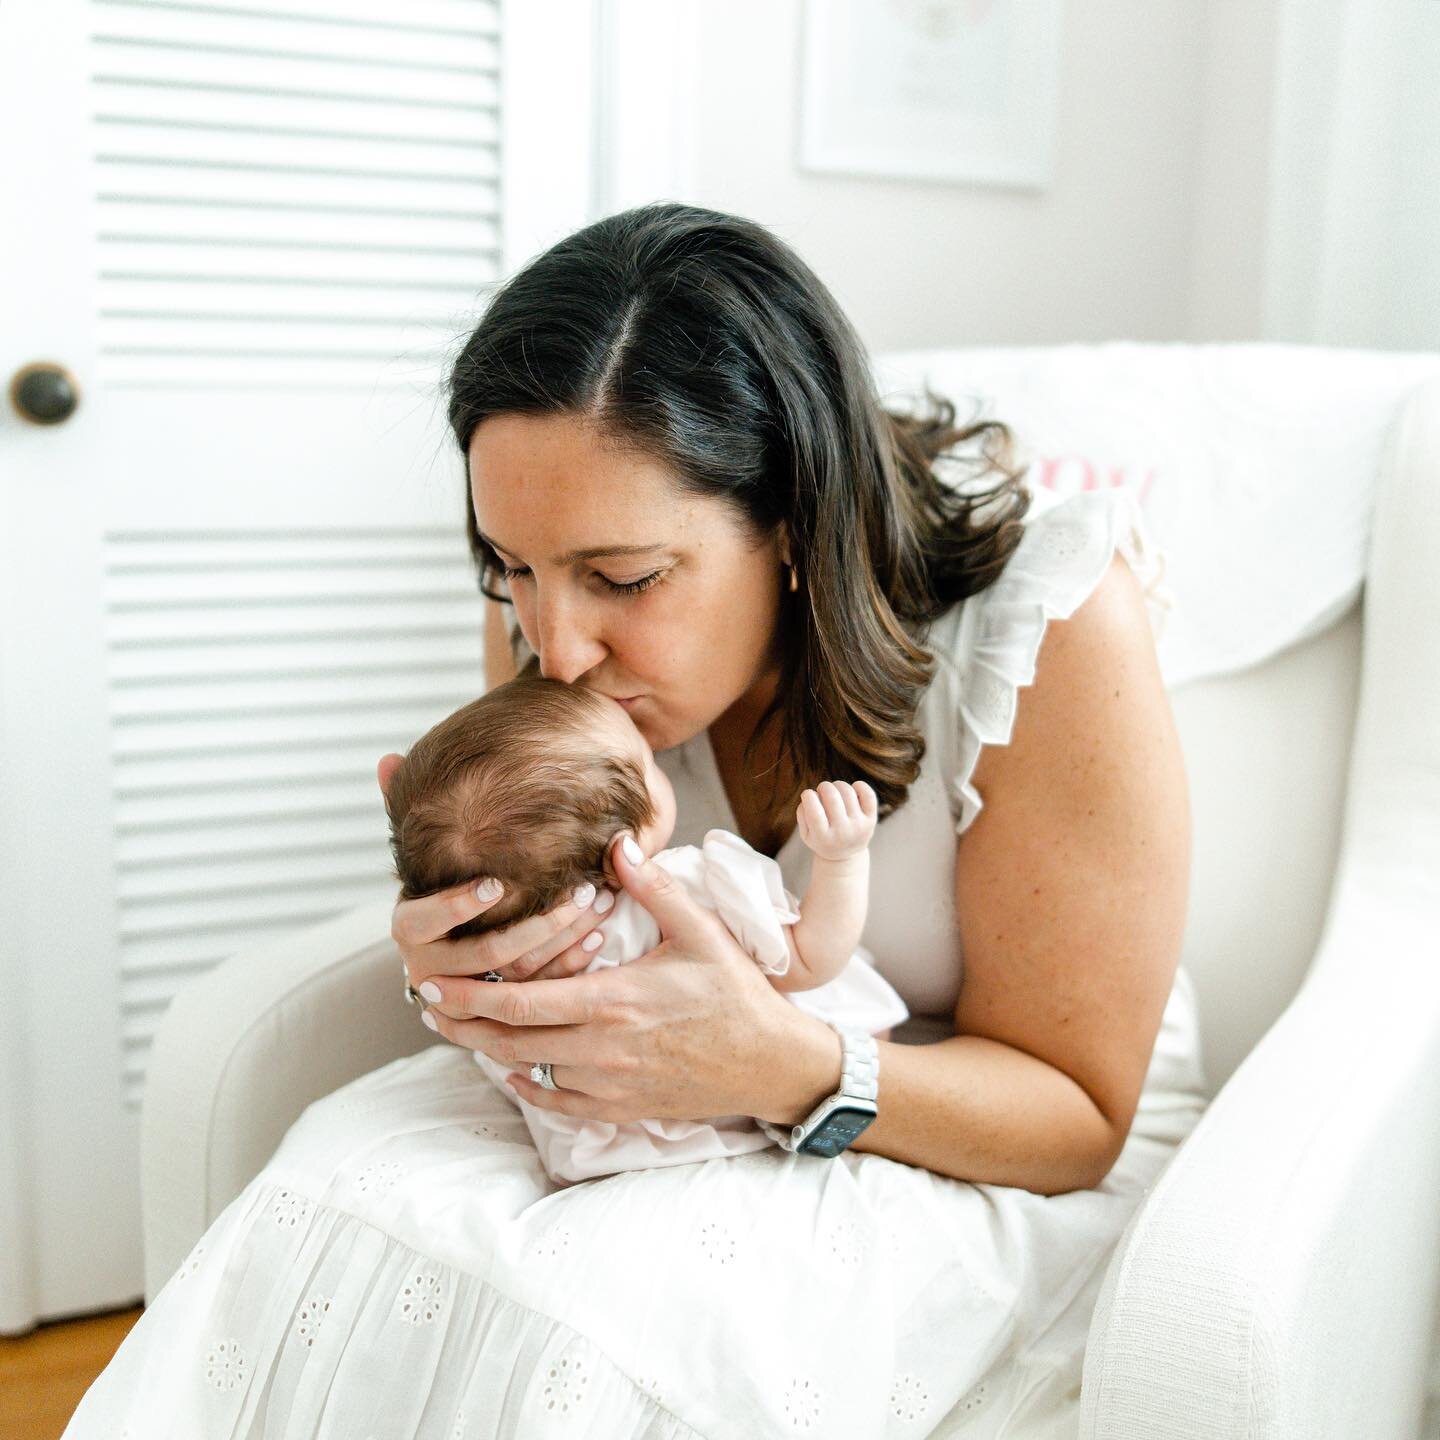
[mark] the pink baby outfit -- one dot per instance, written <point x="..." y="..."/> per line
<point x="746" y="890"/>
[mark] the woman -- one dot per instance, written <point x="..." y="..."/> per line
<point x="684" y="485"/>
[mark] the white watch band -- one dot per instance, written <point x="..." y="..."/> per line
<point x="859" y="1080"/>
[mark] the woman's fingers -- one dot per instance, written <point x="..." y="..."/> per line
<point x="678" y="915"/>
<point x="429" y="918"/>
<point x="568" y="962"/>
<point x="514" y="952"/>
<point x="521" y="950"/>
<point x="570" y="1000"/>
<point x="510" y="1045"/>
<point x="385" y="768"/>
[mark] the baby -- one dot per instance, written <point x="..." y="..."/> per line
<point x="529" y="784"/>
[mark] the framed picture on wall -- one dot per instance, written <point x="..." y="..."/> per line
<point x="962" y="91"/>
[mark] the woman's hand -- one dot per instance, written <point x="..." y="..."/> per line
<point x="690" y="1031"/>
<point x="543" y="947"/>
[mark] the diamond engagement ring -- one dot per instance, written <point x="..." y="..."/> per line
<point x="540" y="1074"/>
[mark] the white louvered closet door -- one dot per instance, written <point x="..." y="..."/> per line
<point x="235" y="576"/>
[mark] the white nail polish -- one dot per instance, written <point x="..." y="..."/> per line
<point x="593" y="941"/>
<point x="633" y="853"/>
<point x="603" y="904"/>
<point x="584" y="894"/>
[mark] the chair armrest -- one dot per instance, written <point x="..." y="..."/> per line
<point x="1280" y="1277"/>
<point x="240" y="1053"/>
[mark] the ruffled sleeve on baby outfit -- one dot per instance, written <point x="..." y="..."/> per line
<point x="1062" y="556"/>
<point x="749" y="895"/>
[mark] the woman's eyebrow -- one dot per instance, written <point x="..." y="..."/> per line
<point x="587" y="554"/>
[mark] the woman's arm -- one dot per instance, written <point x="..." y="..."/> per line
<point x="1070" y="892"/>
<point x="1072" y="888"/>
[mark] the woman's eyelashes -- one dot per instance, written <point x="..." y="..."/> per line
<point x="633" y="587"/>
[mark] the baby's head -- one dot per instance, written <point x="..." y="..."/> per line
<point x="529" y="783"/>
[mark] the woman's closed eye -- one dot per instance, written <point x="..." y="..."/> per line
<point x="632" y="587"/>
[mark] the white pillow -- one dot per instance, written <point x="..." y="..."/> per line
<point x="1254" y="464"/>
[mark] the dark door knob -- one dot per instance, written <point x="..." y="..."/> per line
<point x="44" y="393"/>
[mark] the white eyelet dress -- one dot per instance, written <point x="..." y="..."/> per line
<point x="404" y="1267"/>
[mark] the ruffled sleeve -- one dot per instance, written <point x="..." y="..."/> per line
<point x="749" y="895"/>
<point x="1061" y="558"/>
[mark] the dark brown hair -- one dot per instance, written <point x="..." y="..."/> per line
<point x="513" y="785"/>
<point x="702" y="340"/>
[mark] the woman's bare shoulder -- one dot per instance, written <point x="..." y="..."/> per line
<point x="1108" y="638"/>
<point x="1071" y="884"/>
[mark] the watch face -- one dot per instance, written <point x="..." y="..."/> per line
<point x="836" y="1131"/>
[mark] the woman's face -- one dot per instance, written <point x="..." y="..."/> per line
<point x="695" y="639"/>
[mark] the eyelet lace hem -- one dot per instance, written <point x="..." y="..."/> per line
<point x="1061" y="558"/>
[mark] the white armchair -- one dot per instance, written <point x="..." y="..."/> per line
<point x="1280" y="1278"/>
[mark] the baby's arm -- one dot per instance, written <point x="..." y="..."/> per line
<point x="836" y="822"/>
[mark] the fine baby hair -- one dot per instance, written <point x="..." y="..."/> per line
<point x="523" y="784"/>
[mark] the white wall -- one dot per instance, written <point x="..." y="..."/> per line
<point x="1354" y="253"/>
<point x="1156" y="166"/>
<point x="1233" y="170"/>
<point x="1226" y="170"/>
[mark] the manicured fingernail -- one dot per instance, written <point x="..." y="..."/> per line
<point x="593" y="941"/>
<point x="603" y="904"/>
<point x="488" y="889"/>
<point x="426" y="1018"/>
<point x="431" y="992"/>
<point x="584" y="894"/>
<point x="633" y="853"/>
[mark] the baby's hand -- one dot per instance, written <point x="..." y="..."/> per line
<point x="837" y="820"/>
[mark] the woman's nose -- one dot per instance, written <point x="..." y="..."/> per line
<point x="568" y="647"/>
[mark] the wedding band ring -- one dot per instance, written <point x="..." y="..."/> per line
<point x="540" y="1074"/>
<point x="492" y="975"/>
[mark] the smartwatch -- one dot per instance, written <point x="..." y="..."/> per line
<point x="839" y="1118"/>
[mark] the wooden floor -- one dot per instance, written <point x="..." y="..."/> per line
<point x="44" y="1374"/>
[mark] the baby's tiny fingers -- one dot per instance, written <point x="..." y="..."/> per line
<point x="869" y="804"/>
<point x="834" y="805"/>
